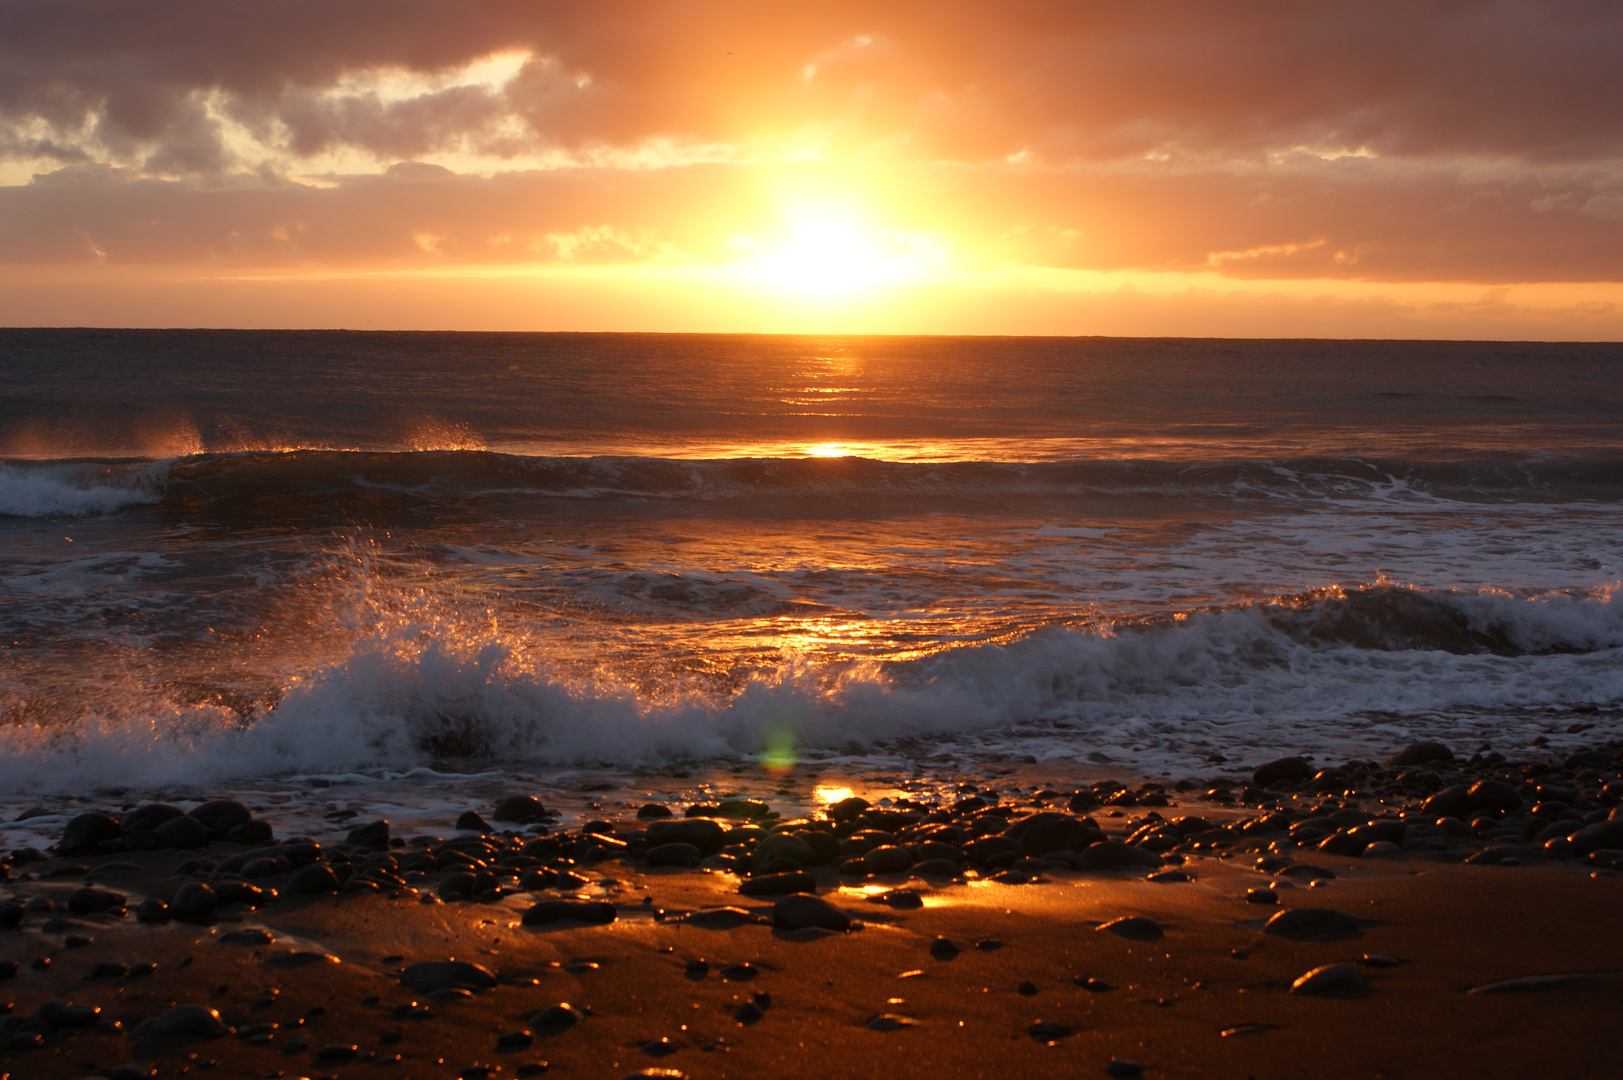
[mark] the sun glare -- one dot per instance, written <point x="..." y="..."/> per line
<point x="825" y="253"/>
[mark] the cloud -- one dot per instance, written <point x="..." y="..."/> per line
<point x="1393" y="139"/>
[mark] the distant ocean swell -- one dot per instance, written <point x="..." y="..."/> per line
<point x="80" y="487"/>
<point x="1311" y="673"/>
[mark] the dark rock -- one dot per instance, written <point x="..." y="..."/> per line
<point x="801" y="911"/>
<point x="221" y="816"/>
<point x="247" y="937"/>
<point x="1313" y="924"/>
<point x="944" y="948"/>
<point x="150" y="816"/>
<point x="1114" y="855"/>
<point x="194" y="903"/>
<point x="186" y="833"/>
<point x="890" y="859"/>
<point x="11" y="915"/>
<point x="1281" y="771"/>
<point x="676" y="854"/>
<point x="745" y="809"/>
<point x="189" y="1020"/>
<point x="848" y="809"/>
<point x="1597" y="837"/>
<point x="1027" y="989"/>
<point x="88" y="901"/>
<point x="152" y="910"/>
<point x="56" y="1014"/>
<point x="1168" y="877"/>
<point x="472" y="822"/>
<point x="653" y="810"/>
<point x="8" y="969"/>
<point x="85" y="833"/>
<point x="1452" y="802"/>
<point x="1420" y="753"/>
<point x="1261" y="896"/>
<point x="314" y="880"/>
<point x="251" y="832"/>
<point x="1046" y="1031"/>
<point x="1306" y="872"/>
<point x="986" y="851"/>
<point x="522" y="809"/>
<point x="748" y="1013"/>
<point x="936" y="868"/>
<point x="740" y="972"/>
<point x="1047" y="832"/>
<point x="551" y="1021"/>
<point x="777" y="884"/>
<point x="337" y="1052"/>
<point x="1493" y="795"/>
<point x="702" y="833"/>
<point x="1333" y="981"/>
<point x="591" y="912"/>
<point x="374" y="834"/>
<point x="514" y="1040"/>
<point x="900" y="899"/>
<point x="443" y="974"/>
<point x="782" y="846"/>
<point x="1134" y="928"/>
<point x="1123" y="1067"/>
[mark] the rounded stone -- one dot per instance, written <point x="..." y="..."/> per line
<point x="1332" y="980"/>
<point x="190" y="1020"/>
<point x="1134" y="928"/>
<point x="521" y="809"/>
<point x="87" y="832"/>
<point x="185" y="833"/>
<point x="220" y="816"/>
<point x="1312" y="924"/>
<point x="800" y="911"/>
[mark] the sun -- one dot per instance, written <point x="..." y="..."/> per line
<point x="825" y="252"/>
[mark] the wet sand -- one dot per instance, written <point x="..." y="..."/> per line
<point x="320" y="991"/>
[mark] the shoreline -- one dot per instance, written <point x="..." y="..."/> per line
<point x="1199" y="985"/>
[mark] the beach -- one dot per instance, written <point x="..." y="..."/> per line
<point x="617" y="947"/>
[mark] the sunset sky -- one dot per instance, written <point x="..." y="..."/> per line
<point x="1248" y="167"/>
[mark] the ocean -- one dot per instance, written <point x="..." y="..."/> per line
<point x="377" y="573"/>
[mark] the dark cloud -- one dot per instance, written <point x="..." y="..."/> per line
<point x="1089" y="133"/>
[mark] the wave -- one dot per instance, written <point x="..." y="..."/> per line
<point x="74" y="489"/>
<point x="314" y="480"/>
<point x="1325" y="673"/>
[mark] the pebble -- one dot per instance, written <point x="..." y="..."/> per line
<point x="740" y="972"/>
<point x="800" y="911"/>
<point x="656" y="1074"/>
<point x="1285" y="769"/>
<point x="1134" y="928"/>
<point x="86" y="831"/>
<point x="663" y="1046"/>
<point x="650" y="811"/>
<point x="439" y="974"/>
<point x="374" y="834"/>
<point x="247" y="937"/>
<point x="1124" y="1067"/>
<point x="989" y="944"/>
<point x="1332" y="980"/>
<point x="1312" y="924"/>
<point x="1094" y="986"/>
<point x="1027" y="989"/>
<point x="590" y="912"/>
<point x="1046" y="1031"/>
<point x="557" y="1018"/>
<point x="469" y="821"/>
<point x="194" y="903"/>
<point x="723" y="918"/>
<point x="936" y="868"/>
<point x="190" y="1020"/>
<point x="748" y="1013"/>
<point x="185" y="833"/>
<point x="90" y="900"/>
<point x="521" y="809"/>
<point x="900" y="899"/>
<point x="56" y="1014"/>
<point x="1167" y="877"/>
<point x="338" y="1052"/>
<point x="1115" y="855"/>
<point x="1261" y="896"/>
<point x="777" y="884"/>
<point x="890" y="1022"/>
<point x="314" y="880"/>
<point x="943" y="949"/>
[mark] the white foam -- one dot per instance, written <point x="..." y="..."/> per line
<point x="72" y="490"/>
<point x="1239" y="682"/>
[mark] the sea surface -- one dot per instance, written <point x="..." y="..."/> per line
<point x="379" y="570"/>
